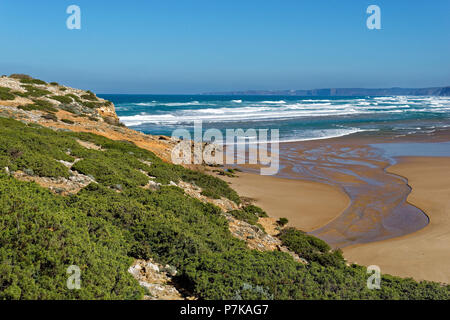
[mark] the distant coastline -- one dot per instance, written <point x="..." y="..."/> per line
<point x="349" y="92"/>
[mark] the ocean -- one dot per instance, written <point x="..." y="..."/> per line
<point x="297" y="118"/>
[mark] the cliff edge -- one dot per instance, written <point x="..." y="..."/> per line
<point x="61" y="107"/>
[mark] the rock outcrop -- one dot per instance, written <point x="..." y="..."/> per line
<point x="158" y="281"/>
<point x="32" y="94"/>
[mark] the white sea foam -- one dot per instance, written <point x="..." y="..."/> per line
<point x="309" y="135"/>
<point x="248" y="111"/>
<point x="169" y="104"/>
<point x="274" y="102"/>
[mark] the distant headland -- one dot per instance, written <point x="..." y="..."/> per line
<point x="434" y="91"/>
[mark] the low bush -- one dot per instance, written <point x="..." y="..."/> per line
<point x="73" y="96"/>
<point x="282" y="221"/>
<point x="62" y="99"/>
<point x="245" y="216"/>
<point x="91" y="105"/>
<point x="210" y="194"/>
<point x="5" y="94"/>
<point x="311" y="248"/>
<point x="20" y="76"/>
<point x="32" y="81"/>
<point x="260" y="213"/>
<point x="249" y="214"/>
<point x="40" y="105"/>
<point x="89" y="96"/>
<point x="34" y="92"/>
<point x="47" y="238"/>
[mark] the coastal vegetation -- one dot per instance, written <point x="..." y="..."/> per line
<point x="249" y="214"/>
<point x="5" y="94"/>
<point x="62" y="99"/>
<point x="32" y="91"/>
<point x="283" y="221"/>
<point x="39" y="104"/>
<point x="115" y="219"/>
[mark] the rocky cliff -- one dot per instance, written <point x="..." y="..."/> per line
<point x="26" y="93"/>
<point x="64" y="108"/>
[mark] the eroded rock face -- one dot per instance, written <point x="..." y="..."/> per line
<point x="195" y="192"/>
<point x="257" y="239"/>
<point x="60" y="185"/>
<point x="158" y="280"/>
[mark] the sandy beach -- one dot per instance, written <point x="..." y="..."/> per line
<point x="307" y="205"/>
<point x="425" y="254"/>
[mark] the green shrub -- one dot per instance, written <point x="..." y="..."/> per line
<point x="283" y="221"/>
<point x="74" y="97"/>
<point x="214" y="187"/>
<point x="244" y="216"/>
<point x="311" y="248"/>
<point x="41" y="237"/>
<point x="250" y="214"/>
<point x="62" y="99"/>
<point x="32" y="81"/>
<point x="40" y="105"/>
<point x="68" y="121"/>
<point x="34" y="92"/>
<point x="256" y="211"/>
<point x="5" y="94"/>
<point x="20" y="76"/>
<point x="91" y="105"/>
<point x="210" y="194"/>
<point x="111" y="173"/>
<point x="89" y="96"/>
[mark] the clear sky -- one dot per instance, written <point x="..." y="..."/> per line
<point x="193" y="46"/>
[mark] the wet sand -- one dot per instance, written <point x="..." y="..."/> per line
<point x="378" y="208"/>
<point x="425" y="254"/>
<point x="306" y="204"/>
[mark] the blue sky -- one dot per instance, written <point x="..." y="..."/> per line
<point x="193" y="46"/>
